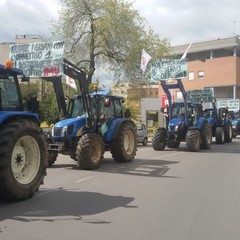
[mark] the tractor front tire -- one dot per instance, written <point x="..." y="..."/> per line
<point x="23" y="159"/>
<point x="52" y="157"/>
<point x="193" y="140"/>
<point x="206" y="135"/>
<point x="124" y="147"/>
<point x="228" y="132"/>
<point x="159" y="139"/>
<point x="89" y="152"/>
<point x="219" y="135"/>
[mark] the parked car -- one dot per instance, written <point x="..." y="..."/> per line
<point x="142" y="134"/>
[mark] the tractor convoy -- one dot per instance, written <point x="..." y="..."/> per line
<point x="94" y="123"/>
<point x="89" y="124"/>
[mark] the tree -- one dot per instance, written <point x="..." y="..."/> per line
<point x="28" y="91"/>
<point x="48" y="110"/>
<point x="108" y="34"/>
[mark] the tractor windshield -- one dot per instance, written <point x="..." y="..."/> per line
<point x="9" y="95"/>
<point x="77" y="109"/>
<point x="178" y="111"/>
<point x="207" y="113"/>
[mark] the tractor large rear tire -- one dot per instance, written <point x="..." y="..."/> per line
<point x="219" y="135"/>
<point x="124" y="147"/>
<point x="89" y="152"/>
<point x="159" y="139"/>
<point x="193" y="140"/>
<point x="206" y="135"/>
<point x="23" y="159"/>
<point x="228" y="132"/>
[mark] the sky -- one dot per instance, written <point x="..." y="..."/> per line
<point x="181" y="22"/>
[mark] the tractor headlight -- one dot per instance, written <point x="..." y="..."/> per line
<point x="173" y="128"/>
<point x="64" y="131"/>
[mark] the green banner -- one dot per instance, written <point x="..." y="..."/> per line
<point x="168" y="69"/>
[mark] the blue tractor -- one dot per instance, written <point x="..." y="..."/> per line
<point x="234" y="117"/>
<point x="184" y="123"/>
<point x="95" y="123"/>
<point x="221" y="125"/>
<point x="23" y="148"/>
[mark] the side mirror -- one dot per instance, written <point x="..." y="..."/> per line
<point x="33" y="105"/>
<point x="127" y="113"/>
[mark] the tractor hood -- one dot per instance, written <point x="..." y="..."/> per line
<point x="211" y="120"/>
<point x="71" y="127"/>
<point x="175" y="121"/>
<point x="70" y="121"/>
<point x="235" y="121"/>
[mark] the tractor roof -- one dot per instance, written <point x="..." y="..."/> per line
<point x="10" y="71"/>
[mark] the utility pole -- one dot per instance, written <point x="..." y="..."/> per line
<point x="234" y="22"/>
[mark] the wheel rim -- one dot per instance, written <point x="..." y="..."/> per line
<point x="222" y="135"/>
<point x="209" y="135"/>
<point x="129" y="142"/>
<point x="96" y="152"/>
<point x="230" y="132"/>
<point x="197" y="140"/>
<point x="25" y="161"/>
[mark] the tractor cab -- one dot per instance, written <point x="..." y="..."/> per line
<point x="10" y="97"/>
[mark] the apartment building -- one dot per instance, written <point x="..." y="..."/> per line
<point x="214" y="63"/>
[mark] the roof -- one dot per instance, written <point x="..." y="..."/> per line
<point x="220" y="43"/>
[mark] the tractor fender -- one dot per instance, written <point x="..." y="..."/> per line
<point x="6" y="117"/>
<point x="113" y="128"/>
<point x="200" y="122"/>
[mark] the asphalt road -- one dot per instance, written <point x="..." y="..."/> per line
<point x="167" y="195"/>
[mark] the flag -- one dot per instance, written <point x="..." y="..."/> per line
<point x="185" y="54"/>
<point x="71" y="82"/>
<point x="144" y="60"/>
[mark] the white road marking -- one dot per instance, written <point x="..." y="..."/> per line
<point x="84" y="179"/>
<point x="166" y="155"/>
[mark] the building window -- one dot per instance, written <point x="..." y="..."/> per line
<point x="200" y="74"/>
<point x="191" y="75"/>
<point x="179" y="95"/>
